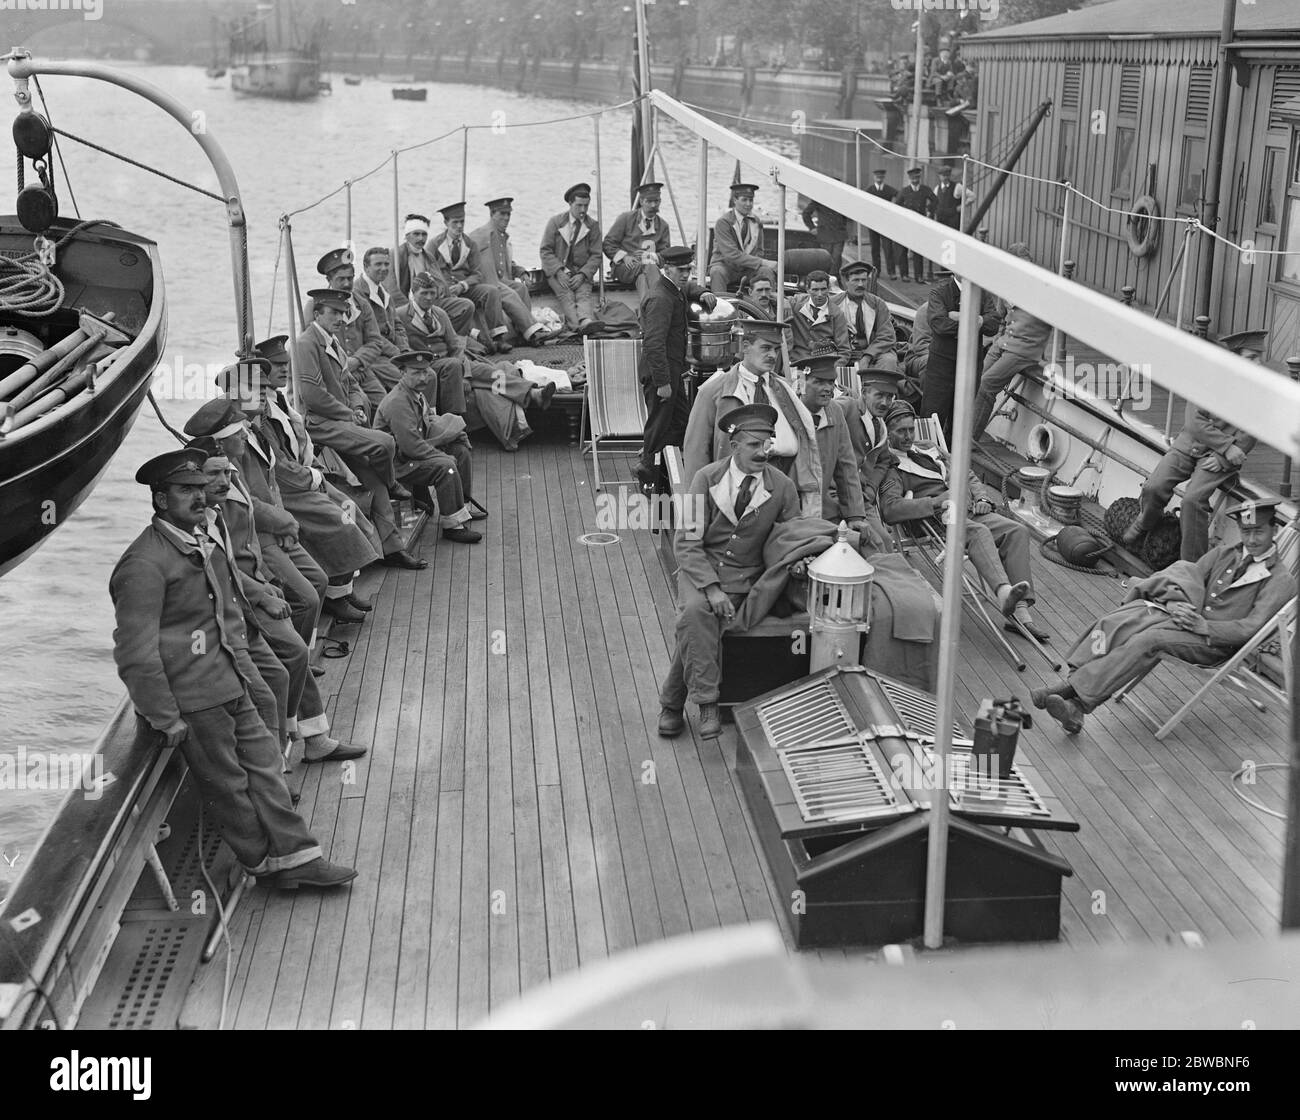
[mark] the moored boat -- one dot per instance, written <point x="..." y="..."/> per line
<point x="403" y="93"/>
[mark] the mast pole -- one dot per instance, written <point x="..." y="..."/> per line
<point x="295" y="309"/>
<point x="918" y="78"/>
<point x="600" y="272"/>
<point x="643" y="64"/>
<point x="702" y="236"/>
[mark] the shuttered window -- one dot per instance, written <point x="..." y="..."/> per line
<point x="1070" y="89"/>
<point x="1286" y="88"/>
<point x="1130" y="91"/>
<point x="1198" y="95"/>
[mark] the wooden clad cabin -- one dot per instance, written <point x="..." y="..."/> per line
<point x="1132" y="86"/>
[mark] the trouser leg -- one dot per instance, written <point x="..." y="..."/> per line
<point x="462" y="452"/>
<point x="564" y="297"/>
<point x="381" y="509"/>
<point x="1000" y="369"/>
<point x="719" y="279"/>
<point x="673" y="693"/>
<point x="1096" y="681"/>
<point x="267" y="681"/>
<point x="305" y="707"/>
<point x="487" y="300"/>
<point x="585" y="301"/>
<point x="837" y="257"/>
<point x="1195" y="512"/>
<point x="1175" y="466"/>
<point x="659" y="419"/>
<point x="699" y="643"/>
<point x="439" y="471"/>
<point x="937" y="390"/>
<point x="236" y="766"/>
<point x="876" y="240"/>
<point x="460" y="311"/>
<point x="1011" y="539"/>
<point x="984" y="556"/>
<point x="303" y="581"/>
<point x="516" y="314"/>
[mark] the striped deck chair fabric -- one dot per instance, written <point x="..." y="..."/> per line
<point x="614" y="409"/>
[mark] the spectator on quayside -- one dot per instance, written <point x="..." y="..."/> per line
<point x="637" y="239"/>
<point x="457" y="261"/>
<point x="499" y="267"/>
<point x="415" y="257"/>
<point x="872" y="338"/>
<point x="177" y="621"/>
<point x="571" y="257"/>
<point x="880" y="244"/>
<point x="948" y="197"/>
<point x="335" y="411"/>
<point x="1201" y="613"/>
<point x="918" y="198"/>
<point x="737" y="243"/>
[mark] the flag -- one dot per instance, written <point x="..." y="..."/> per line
<point x="638" y="140"/>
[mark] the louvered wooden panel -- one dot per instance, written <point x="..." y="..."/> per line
<point x="1286" y="87"/>
<point x="1070" y="90"/>
<point x="1130" y="91"/>
<point x="1198" y="95"/>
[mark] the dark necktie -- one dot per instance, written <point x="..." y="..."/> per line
<point x="862" y="323"/>
<point x="760" y="390"/>
<point x="455" y="249"/>
<point x="743" y="496"/>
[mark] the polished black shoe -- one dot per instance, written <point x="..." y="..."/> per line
<point x="341" y="752"/>
<point x="671" y="722"/>
<point x="403" y="559"/>
<point x="425" y="506"/>
<point x="319" y="873"/>
<point x="647" y="476"/>
<point x="342" y="611"/>
<point x="317" y="671"/>
<point x="546" y="393"/>
<point x="398" y="493"/>
<point x="462" y="536"/>
<point x="364" y="605"/>
<point x="476" y="511"/>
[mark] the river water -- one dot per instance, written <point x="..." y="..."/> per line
<point x="58" y="685"/>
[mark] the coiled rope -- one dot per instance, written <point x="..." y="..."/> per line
<point x="27" y="286"/>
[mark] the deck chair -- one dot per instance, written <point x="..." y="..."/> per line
<point x="1264" y="678"/>
<point x="931" y="542"/>
<point x="613" y="408"/>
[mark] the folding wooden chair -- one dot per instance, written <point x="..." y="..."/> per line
<point x="1264" y="678"/>
<point x="613" y="408"/>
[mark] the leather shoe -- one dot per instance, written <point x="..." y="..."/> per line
<point x="317" y="671"/>
<point x="1029" y="626"/>
<point x="403" y="559"/>
<point x="710" y="721"/>
<point x="1068" y="713"/>
<point x="398" y="493"/>
<point x="546" y="393"/>
<point x="342" y="611"/>
<point x="425" y="506"/>
<point x="364" y="605"/>
<point x="476" y="511"/>
<point x="671" y="722"/>
<point x="319" y="873"/>
<point x="462" y="536"/>
<point x="341" y="752"/>
<point x="502" y="346"/>
<point x="647" y="476"/>
<point x="1132" y="535"/>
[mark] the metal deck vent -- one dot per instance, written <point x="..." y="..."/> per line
<point x="143" y="994"/>
<point x="838" y="783"/>
<point x="975" y="792"/>
<point x="812" y="715"/>
<point x="918" y="711"/>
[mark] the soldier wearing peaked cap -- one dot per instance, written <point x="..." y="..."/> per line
<point x="1207" y="454"/>
<point x="457" y="263"/>
<point x="731" y="508"/>
<point x="180" y="626"/>
<point x="415" y="257"/>
<point x="637" y="239"/>
<point x="736" y="258"/>
<point x="920" y="199"/>
<point x="872" y="338"/>
<point x="499" y="266"/>
<point x="664" y="320"/>
<point x="368" y="352"/>
<point x="865" y="416"/>
<point x="841" y="481"/>
<point x="1201" y="613"/>
<point x="571" y="256"/>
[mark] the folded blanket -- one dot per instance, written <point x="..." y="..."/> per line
<point x="909" y="596"/>
<point x="788" y="542"/>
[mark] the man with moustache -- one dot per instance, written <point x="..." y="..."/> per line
<point x="869" y="435"/>
<point x="498" y="264"/>
<point x="731" y="508"/>
<point x="457" y="260"/>
<point x="369" y="354"/>
<point x="571" y="255"/>
<point x="178" y="620"/>
<point x="872" y="337"/>
<point x="414" y="257"/>
<point x="737" y="243"/>
<point x="841" y="481"/>
<point x="638" y="239"/>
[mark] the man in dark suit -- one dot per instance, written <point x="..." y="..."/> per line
<point x="831" y="228"/>
<point x="178" y="623"/>
<point x="729" y="511"/>
<point x="663" y="356"/>
<point x="918" y="198"/>
<point x="947" y="199"/>
<point x="943" y="311"/>
<point x="881" y="245"/>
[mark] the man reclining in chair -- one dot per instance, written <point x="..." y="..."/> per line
<point x="731" y="508"/>
<point x="915" y="486"/>
<point x="1200" y="612"/>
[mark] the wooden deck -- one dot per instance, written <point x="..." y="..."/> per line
<point x="518" y="816"/>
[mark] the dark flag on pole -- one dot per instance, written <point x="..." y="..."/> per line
<point x="638" y="140"/>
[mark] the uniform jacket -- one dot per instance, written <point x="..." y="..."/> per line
<point x="257" y="475"/>
<point x="431" y="330"/>
<point x="626" y="238"/>
<point x="465" y="267"/>
<point x="1023" y="335"/>
<point x="737" y="242"/>
<point x="327" y="392"/>
<point x="926" y="476"/>
<point x="1204" y="432"/>
<point x="496" y="257"/>
<point x="881" y="338"/>
<point x="585" y="246"/>
<point x="841" y="481"/>
<point x="920" y="201"/>
<point x="408" y="265"/>
<point x="945" y="296"/>
<point x="811" y="328"/>
<point x="240" y="531"/>
<point x="179" y="625"/>
<point x="870" y="442"/>
<point x="418" y="431"/>
<point x="663" y="331"/>
<point x="715" y="549"/>
<point x="383" y="307"/>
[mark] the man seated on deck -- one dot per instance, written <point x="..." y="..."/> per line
<point x="869" y="435"/>
<point x="816" y="323"/>
<point x="737" y="243"/>
<point x="731" y="507"/>
<point x="232" y="527"/>
<point x="841" y="480"/>
<point x="457" y="261"/>
<point x="368" y="352"/>
<point x="415" y="257"/>
<point x="754" y="380"/>
<point x="763" y="296"/>
<point x="1207" y="454"/>
<point x="1200" y="612"/>
<point x="177" y="622"/>
<point x="571" y="255"/>
<point x="872" y="338"/>
<point x="499" y="267"/>
<point x="637" y="239"/>
<point x="336" y="417"/>
<point x="915" y="486"/>
<point x="488" y="395"/>
<point x="431" y="449"/>
<point x="372" y="288"/>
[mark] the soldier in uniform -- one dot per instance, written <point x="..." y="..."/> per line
<point x="369" y="354"/>
<point x="1207" y="454"/>
<point x="335" y="413"/>
<point x="872" y="337"/>
<point x="881" y="245"/>
<point x="869" y="435"/>
<point x="731" y="507"/>
<point x="1200" y="612"/>
<point x="432" y="450"/>
<point x="498" y="266"/>
<point x="841" y="480"/>
<point x="571" y="255"/>
<point x="737" y="243"/>
<point x="372" y="287"/>
<point x="414" y="257"/>
<point x="178" y="620"/>
<point x="637" y="239"/>
<point x="943" y="310"/>
<point x="457" y="260"/>
<point x="663" y="355"/>
<point x="918" y="198"/>
<point x="816" y="323"/>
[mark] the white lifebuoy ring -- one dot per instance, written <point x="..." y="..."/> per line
<point x="1141" y="230"/>
<point x="1047" y="446"/>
